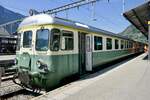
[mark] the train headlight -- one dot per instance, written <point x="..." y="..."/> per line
<point x="16" y="61"/>
<point x="41" y="65"/>
<point x="38" y="63"/>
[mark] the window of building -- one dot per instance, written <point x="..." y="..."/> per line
<point x="116" y="44"/>
<point x="67" y="40"/>
<point x="27" y="39"/>
<point x="55" y="39"/>
<point x="122" y="44"/>
<point x="98" y="43"/>
<point x="109" y="43"/>
<point x="42" y="39"/>
<point x="4" y="41"/>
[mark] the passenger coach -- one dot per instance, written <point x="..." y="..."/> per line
<point x="51" y="49"/>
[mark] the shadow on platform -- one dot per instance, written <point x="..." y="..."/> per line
<point x="105" y="68"/>
<point x="146" y="57"/>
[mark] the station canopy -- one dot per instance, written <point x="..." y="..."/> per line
<point x="139" y="17"/>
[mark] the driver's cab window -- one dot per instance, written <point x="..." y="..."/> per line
<point x="27" y="39"/>
<point x="55" y="39"/>
<point x="42" y="40"/>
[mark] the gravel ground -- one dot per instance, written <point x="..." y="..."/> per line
<point x="21" y="95"/>
<point x="8" y="87"/>
<point x="11" y="91"/>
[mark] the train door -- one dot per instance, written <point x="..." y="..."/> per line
<point x="88" y="52"/>
<point x="82" y="52"/>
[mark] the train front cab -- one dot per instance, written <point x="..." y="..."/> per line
<point x="48" y="54"/>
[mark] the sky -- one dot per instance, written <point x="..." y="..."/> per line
<point x="107" y="15"/>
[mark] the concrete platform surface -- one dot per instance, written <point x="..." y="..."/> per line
<point x="7" y="57"/>
<point x="128" y="81"/>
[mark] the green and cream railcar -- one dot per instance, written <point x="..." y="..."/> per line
<point x="51" y="49"/>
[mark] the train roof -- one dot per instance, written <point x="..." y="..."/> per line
<point x="48" y="19"/>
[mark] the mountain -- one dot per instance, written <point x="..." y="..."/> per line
<point x="8" y="15"/>
<point x="133" y="33"/>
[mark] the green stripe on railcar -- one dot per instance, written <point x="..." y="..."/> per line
<point x="60" y="66"/>
<point x="106" y="56"/>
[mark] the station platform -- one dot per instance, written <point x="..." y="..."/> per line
<point x="127" y="81"/>
<point x="7" y="57"/>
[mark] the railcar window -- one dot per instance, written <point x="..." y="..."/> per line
<point x="128" y="44"/>
<point x="98" y="43"/>
<point x="18" y="41"/>
<point x="125" y="44"/>
<point x="27" y="39"/>
<point x="116" y="44"/>
<point x="67" y="40"/>
<point x="42" y="39"/>
<point x="122" y="44"/>
<point x="131" y="45"/>
<point x="55" y="39"/>
<point x="109" y="43"/>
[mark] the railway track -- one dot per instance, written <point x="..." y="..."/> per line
<point x="8" y="87"/>
<point x="6" y="69"/>
<point x="8" y="75"/>
<point x="19" y="95"/>
<point x="11" y="91"/>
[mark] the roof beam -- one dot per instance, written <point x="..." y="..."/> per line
<point x="136" y="15"/>
<point x="132" y="22"/>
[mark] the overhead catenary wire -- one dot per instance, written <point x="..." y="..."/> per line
<point x="101" y="17"/>
<point x="94" y="15"/>
<point x="69" y="6"/>
<point x="86" y="11"/>
<point x="93" y="12"/>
